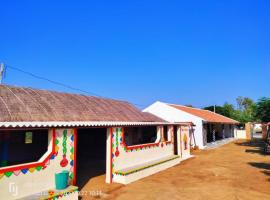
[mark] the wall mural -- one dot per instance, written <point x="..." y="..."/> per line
<point x="64" y="161"/>
<point x="185" y="142"/>
<point x="71" y="174"/>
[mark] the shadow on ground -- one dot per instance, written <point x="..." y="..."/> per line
<point x="257" y="146"/>
<point x="264" y="166"/>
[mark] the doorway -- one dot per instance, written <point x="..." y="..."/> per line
<point x="175" y="142"/>
<point x="91" y="154"/>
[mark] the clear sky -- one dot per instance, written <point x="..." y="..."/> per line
<point x="186" y="52"/>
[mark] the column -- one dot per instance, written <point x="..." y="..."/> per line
<point x="214" y="135"/>
<point x="223" y="131"/>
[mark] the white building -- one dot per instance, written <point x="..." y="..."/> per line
<point x="209" y="126"/>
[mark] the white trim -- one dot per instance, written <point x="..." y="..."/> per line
<point x="81" y="124"/>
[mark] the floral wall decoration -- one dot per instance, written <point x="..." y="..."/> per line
<point x="71" y="174"/>
<point x="112" y="151"/>
<point x="117" y="142"/>
<point x="64" y="161"/>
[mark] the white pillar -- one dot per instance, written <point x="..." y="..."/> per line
<point x="108" y="156"/>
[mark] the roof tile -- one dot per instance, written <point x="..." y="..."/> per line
<point x="205" y="114"/>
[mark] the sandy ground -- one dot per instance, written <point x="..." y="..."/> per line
<point x="234" y="171"/>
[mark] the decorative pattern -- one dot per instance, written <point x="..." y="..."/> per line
<point x="112" y="151"/>
<point x="116" y="143"/>
<point x="144" y="167"/>
<point x="33" y="168"/>
<point x="71" y="174"/>
<point x="64" y="161"/>
<point x="137" y="147"/>
<point x="52" y="195"/>
<point x="185" y="142"/>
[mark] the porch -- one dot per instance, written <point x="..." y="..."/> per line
<point x="217" y="133"/>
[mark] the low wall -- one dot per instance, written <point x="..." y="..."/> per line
<point x="241" y="134"/>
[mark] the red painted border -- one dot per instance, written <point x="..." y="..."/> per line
<point x="75" y="157"/>
<point x="136" y="146"/>
<point x="32" y="165"/>
<point x="111" y="173"/>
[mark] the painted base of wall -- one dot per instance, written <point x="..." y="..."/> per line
<point x="187" y="157"/>
<point x="70" y="193"/>
<point x="146" y="172"/>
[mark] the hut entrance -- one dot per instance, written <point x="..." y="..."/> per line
<point x="91" y="154"/>
<point x="175" y="140"/>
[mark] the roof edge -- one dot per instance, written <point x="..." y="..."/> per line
<point x="235" y="121"/>
<point x="84" y="124"/>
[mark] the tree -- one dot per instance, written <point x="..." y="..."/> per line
<point x="263" y="109"/>
<point x="245" y="111"/>
<point x="217" y="109"/>
<point x="244" y="103"/>
<point x="229" y="110"/>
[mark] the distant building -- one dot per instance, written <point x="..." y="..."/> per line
<point x="209" y="126"/>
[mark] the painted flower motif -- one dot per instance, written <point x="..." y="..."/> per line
<point x="50" y="192"/>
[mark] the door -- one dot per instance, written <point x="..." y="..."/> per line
<point x="175" y="142"/>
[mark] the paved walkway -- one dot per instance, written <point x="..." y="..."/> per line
<point x="219" y="143"/>
<point x="235" y="171"/>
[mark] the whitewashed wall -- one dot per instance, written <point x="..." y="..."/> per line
<point x="142" y="155"/>
<point x="171" y="114"/>
<point x="137" y="156"/>
<point x="241" y="134"/>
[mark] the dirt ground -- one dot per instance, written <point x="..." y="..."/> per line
<point x="238" y="170"/>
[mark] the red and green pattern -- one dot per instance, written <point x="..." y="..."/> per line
<point x="137" y="148"/>
<point x="71" y="174"/>
<point x="36" y="168"/>
<point x="58" y="195"/>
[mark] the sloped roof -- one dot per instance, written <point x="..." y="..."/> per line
<point x="18" y="104"/>
<point x="206" y="115"/>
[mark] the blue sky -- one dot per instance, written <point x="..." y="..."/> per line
<point x="186" y="52"/>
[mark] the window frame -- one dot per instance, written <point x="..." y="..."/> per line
<point x="138" y="146"/>
<point x="41" y="163"/>
<point x="169" y="134"/>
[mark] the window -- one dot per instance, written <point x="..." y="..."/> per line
<point x="165" y="133"/>
<point x="20" y="147"/>
<point x="28" y="137"/>
<point x="140" y="135"/>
